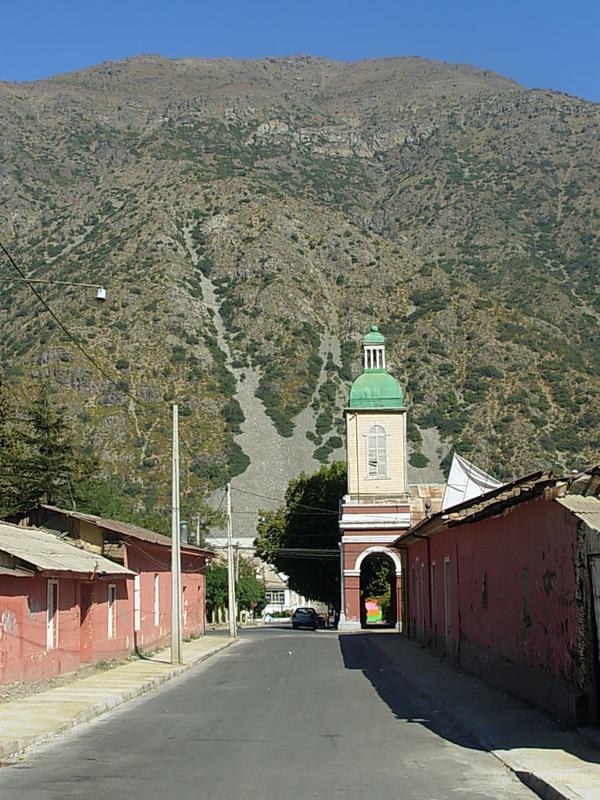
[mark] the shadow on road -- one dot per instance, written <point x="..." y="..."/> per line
<point x="359" y="653"/>
<point x="459" y="707"/>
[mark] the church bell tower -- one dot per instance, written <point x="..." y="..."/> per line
<point x="376" y="508"/>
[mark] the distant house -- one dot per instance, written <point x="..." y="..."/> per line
<point x="148" y="555"/>
<point x="508" y="585"/>
<point x="43" y="583"/>
<point x="280" y="598"/>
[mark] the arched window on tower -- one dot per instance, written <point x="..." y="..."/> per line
<point x="377" y="452"/>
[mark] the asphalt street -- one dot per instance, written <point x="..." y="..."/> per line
<point x="283" y="715"/>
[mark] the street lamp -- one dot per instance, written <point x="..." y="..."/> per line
<point x="100" y="290"/>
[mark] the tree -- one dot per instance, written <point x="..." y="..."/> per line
<point x="8" y="456"/>
<point x="249" y="591"/>
<point x="47" y="468"/>
<point x="216" y="586"/>
<point x="375" y="577"/>
<point x="301" y="538"/>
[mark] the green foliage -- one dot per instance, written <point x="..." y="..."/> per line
<point x="324" y="423"/>
<point x="323" y="452"/>
<point x="233" y="415"/>
<point x="348" y="355"/>
<point x="117" y="498"/>
<point x="271" y="399"/>
<point x="375" y="577"/>
<point x="489" y="371"/>
<point x="46" y="468"/>
<point x="413" y="434"/>
<point x="249" y="590"/>
<point x="238" y="461"/>
<point x="446" y="463"/>
<point x="418" y="460"/>
<point x="216" y="586"/>
<point x="505" y="239"/>
<point x="9" y="456"/>
<point x="308" y="522"/>
<point x="421" y="297"/>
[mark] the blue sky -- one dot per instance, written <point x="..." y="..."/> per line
<point x="540" y="43"/>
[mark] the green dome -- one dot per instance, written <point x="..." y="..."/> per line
<point x="376" y="388"/>
<point x="374" y="337"/>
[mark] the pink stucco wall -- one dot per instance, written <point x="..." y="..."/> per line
<point x="149" y="560"/>
<point x="23" y="623"/>
<point x="512" y="587"/>
<point x="83" y="616"/>
<point x="82" y="638"/>
<point x="96" y="644"/>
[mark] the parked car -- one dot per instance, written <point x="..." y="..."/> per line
<point x="305" y="618"/>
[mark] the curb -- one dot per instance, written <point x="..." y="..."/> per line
<point x="15" y="748"/>
<point x="537" y="784"/>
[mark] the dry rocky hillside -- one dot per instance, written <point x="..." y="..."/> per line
<point x="246" y="216"/>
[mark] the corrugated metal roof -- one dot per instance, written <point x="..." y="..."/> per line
<point x="16" y="572"/>
<point x="48" y="553"/>
<point x="127" y="529"/>
<point x="522" y="489"/>
<point x="475" y="506"/>
<point x="587" y="508"/>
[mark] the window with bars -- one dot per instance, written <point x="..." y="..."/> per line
<point x="377" y="454"/>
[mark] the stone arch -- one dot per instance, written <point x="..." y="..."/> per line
<point x="376" y="550"/>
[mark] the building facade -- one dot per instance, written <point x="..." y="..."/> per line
<point x="146" y="611"/>
<point x="60" y="606"/>
<point x="508" y="586"/>
<point x="377" y="506"/>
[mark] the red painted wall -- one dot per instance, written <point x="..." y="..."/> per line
<point x="23" y="619"/>
<point x="150" y="560"/>
<point x="83" y="629"/>
<point x="531" y="615"/>
<point x="512" y="586"/>
<point x="99" y="645"/>
<point x="24" y="655"/>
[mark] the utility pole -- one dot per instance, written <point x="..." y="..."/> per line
<point x="176" y="634"/>
<point x="230" y="572"/>
<point x="198" y="530"/>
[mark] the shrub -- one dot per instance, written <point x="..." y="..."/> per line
<point x="418" y="460"/>
<point x="233" y="415"/>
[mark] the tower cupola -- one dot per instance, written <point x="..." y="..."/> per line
<point x="375" y="387"/>
<point x="374" y="349"/>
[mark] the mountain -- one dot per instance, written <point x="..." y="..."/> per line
<point x="247" y="216"/>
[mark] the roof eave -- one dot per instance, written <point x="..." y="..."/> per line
<point x="350" y="409"/>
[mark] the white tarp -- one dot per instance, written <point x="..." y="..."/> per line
<point x="466" y="481"/>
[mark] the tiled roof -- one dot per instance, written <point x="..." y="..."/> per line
<point x="127" y="529"/>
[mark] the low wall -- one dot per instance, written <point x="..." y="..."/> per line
<point x="556" y="697"/>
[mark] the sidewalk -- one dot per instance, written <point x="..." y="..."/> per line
<point x="553" y="762"/>
<point x="33" y="719"/>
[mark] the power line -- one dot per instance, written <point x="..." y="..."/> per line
<point x="278" y="500"/>
<point x="67" y="332"/>
<point x="309" y="551"/>
<point x="296" y="513"/>
<point x="117" y="384"/>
